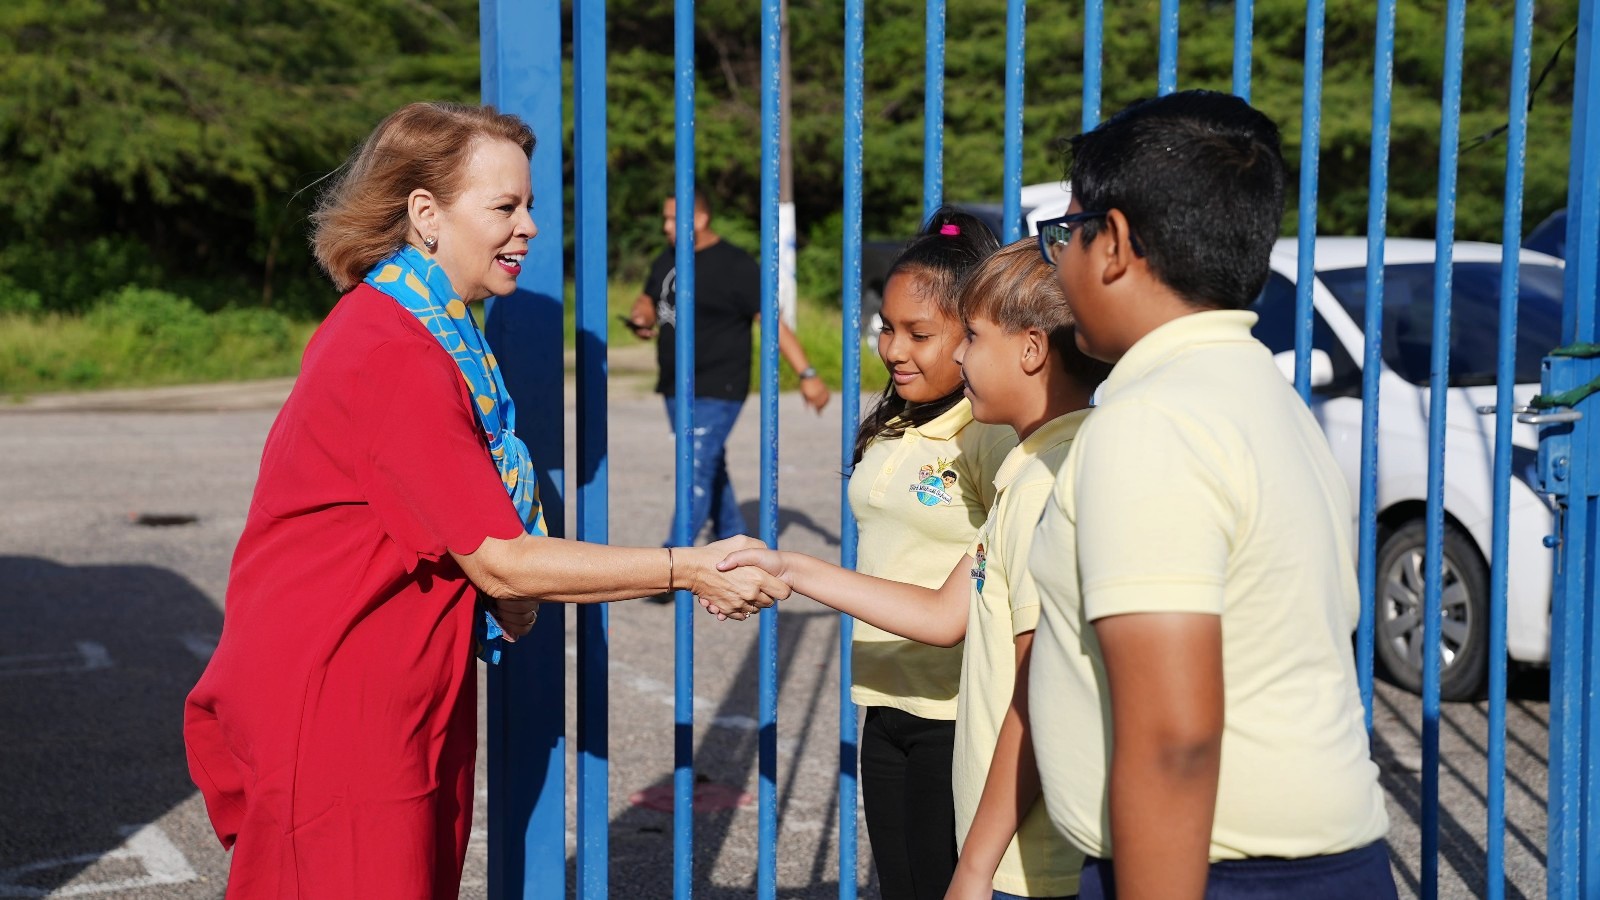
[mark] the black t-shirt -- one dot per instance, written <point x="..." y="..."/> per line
<point x="727" y="298"/>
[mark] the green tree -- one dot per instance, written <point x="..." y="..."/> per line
<point x="170" y="142"/>
<point x="177" y="144"/>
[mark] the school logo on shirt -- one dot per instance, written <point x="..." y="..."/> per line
<point x="934" y="483"/>
<point x="978" y="570"/>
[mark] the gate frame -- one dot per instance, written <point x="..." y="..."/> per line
<point x="527" y="804"/>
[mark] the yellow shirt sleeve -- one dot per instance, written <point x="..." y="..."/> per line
<point x="1155" y="520"/>
<point x="1013" y="537"/>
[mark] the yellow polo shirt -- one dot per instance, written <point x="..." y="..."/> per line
<point x="1005" y="603"/>
<point x="1202" y="484"/>
<point x="918" y="501"/>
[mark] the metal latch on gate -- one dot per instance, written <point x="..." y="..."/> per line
<point x="1568" y="376"/>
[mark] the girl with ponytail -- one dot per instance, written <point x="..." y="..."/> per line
<point x="921" y="486"/>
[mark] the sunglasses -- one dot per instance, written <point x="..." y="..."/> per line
<point x="1057" y="232"/>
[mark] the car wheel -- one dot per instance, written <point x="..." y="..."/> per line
<point x="1464" y="608"/>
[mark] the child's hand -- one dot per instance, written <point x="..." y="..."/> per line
<point x="753" y="559"/>
<point x="726" y="591"/>
<point x="773" y="561"/>
<point x="967" y="886"/>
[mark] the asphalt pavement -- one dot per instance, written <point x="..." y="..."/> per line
<point x="118" y="516"/>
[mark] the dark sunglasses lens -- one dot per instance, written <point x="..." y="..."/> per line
<point x="1053" y="236"/>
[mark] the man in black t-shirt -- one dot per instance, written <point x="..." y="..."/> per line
<point x="727" y="296"/>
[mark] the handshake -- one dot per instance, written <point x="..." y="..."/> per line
<point x="733" y="578"/>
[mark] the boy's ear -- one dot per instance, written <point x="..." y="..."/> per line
<point x="1118" y="250"/>
<point x="1035" y="350"/>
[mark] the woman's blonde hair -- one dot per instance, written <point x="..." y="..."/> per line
<point x="363" y="217"/>
<point x="1016" y="289"/>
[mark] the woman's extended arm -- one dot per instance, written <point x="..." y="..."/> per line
<point x="563" y="571"/>
<point x="937" y="617"/>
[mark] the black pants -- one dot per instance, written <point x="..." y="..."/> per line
<point x="1362" y="873"/>
<point x="910" y="808"/>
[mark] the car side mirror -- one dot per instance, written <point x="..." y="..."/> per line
<point x="1321" y="367"/>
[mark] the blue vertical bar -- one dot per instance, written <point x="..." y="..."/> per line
<point x="1574" y="804"/>
<point x="1167" y="75"/>
<point x="1505" y="384"/>
<point x="849" y="415"/>
<point x="767" y="794"/>
<point x="683" y="396"/>
<point x="1583" y="185"/>
<point x="1011" y="188"/>
<point x="589" y="148"/>
<point x="526" y="718"/>
<point x="1310" y="153"/>
<point x="1094" y="23"/>
<point x="933" y="112"/>
<point x="1438" y="405"/>
<point x="1243" y="37"/>
<point x="1372" y="359"/>
<point x="1583" y="243"/>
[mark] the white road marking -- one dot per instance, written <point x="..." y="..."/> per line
<point x="201" y="645"/>
<point x="86" y="656"/>
<point x="94" y="655"/>
<point x="149" y="846"/>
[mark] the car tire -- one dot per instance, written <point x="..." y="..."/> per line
<point x="1397" y="621"/>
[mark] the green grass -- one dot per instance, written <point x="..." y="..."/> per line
<point x="145" y="338"/>
<point x="41" y="354"/>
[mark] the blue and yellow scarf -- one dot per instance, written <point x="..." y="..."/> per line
<point x="417" y="282"/>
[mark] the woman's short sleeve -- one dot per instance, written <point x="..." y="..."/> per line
<point x="426" y="471"/>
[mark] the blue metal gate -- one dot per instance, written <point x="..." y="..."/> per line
<point x="522" y="74"/>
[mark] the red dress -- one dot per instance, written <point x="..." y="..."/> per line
<point x="334" y="731"/>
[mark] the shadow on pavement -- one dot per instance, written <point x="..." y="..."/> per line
<point x="95" y="662"/>
<point x="789" y="517"/>
<point x="725" y="759"/>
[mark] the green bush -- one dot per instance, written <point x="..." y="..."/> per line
<point x="263" y="329"/>
<point x="72" y="279"/>
<point x="819" y="267"/>
<point x="152" y="328"/>
<point x="18" y="300"/>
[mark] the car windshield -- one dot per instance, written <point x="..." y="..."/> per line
<point x="1474" y="318"/>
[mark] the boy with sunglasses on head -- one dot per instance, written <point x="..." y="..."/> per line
<point x="1193" y="692"/>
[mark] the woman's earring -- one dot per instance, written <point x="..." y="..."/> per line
<point x="430" y="242"/>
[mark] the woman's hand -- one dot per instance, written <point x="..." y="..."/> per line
<point x="752" y="557"/>
<point x="515" y="616"/>
<point x="726" y="591"/>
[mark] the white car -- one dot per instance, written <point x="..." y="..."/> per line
<point x="1045" y="200"/>
<point x="1337" y="347"/>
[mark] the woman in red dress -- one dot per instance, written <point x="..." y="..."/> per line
<point x="334" y="731"/>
